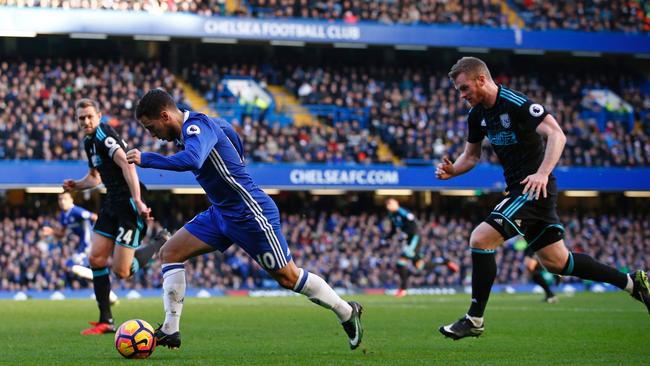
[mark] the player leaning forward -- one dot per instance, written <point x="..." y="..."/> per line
<point x="515" y="126"/>
<point x="240" y="213"/>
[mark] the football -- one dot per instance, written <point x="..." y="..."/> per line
<point x="135" y="339"/>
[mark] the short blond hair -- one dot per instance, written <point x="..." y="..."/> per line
<point x="471" y="66"/>
<point x="87" y="102"/>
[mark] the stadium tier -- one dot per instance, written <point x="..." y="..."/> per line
<point x="416" y="113"/>
<point x="345" y="246"/>
<point x="624" y="16"/>
<point x="345" y="153"/>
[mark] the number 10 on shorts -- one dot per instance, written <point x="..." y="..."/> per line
<point x="266" y="260"/>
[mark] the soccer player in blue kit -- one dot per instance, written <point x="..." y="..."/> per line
<point x="79" y="222"/>
<point x="240" y="213"/>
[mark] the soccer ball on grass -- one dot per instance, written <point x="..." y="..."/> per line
<point x="135" y="339"/>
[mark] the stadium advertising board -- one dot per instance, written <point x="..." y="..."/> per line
<point x="18" y="174"/>
<point x="33" y="21"/>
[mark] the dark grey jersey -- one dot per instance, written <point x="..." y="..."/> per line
<point x="510" y="126"/>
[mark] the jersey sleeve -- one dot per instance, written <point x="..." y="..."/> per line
<point x="198" y="138"/>
<point x="407" y="215"/>
<point x="475" y="133"/>
<point x="109" y="140"/>
<point x="530" y="114"/>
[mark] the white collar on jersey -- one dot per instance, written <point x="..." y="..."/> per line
<point x="186" y="116"/>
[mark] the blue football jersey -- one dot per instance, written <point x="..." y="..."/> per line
<point x="77" y="220"/>
<point x="213" y="151"/>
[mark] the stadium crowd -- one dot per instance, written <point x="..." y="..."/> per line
<point x="344" y="143"/>
<point x="37" y="103"/>
<point x="200" y="7"/>
<point x="347" y="249"/>
<point x="584" y="15"/>
<point x="483" y="12"/>
<point x="418" y="114"/>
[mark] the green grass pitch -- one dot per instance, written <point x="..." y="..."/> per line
<point x="588" y="329"/>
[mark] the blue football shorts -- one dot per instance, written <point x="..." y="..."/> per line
<point x="258" y="234"/>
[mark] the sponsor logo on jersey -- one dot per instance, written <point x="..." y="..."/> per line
<point x="502" y="138"/>
<point x="499" y="221"/>
<point x="505" y="120"/>
<point x="536" y="110"/>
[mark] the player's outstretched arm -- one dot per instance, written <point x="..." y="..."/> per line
<point x="198" y="141"/>
<point x="465" y="162"/>
<point x="132" y="180"/>
<point x="91" y="180"/>
<point x="57" y="232"/>
<point x="180" y="162"/>
<point x="555" y="140"/>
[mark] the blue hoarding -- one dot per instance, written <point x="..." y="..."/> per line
<point x="16" y="174"/>
<point x="124" y="23"/>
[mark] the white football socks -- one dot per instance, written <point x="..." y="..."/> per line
<point x="173" y="295"/>
<point x="319" y="292"/>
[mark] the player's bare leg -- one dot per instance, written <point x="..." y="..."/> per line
<point x="319" y="292"/>
<point x="180" y="247"/>
<point x="100" y="250"/>
<point x="122" y="261"/>
<point x="127" y="261"/>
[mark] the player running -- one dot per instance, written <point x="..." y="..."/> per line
<point x="240" y="213"/>
<point x="78" y="221"/>
<point x="515" y="127"/>
<point x="123" y="216"/>
<point x="407" y="224"/>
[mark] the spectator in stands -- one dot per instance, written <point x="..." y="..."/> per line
<point x="346" y="248"/>
<point x="413" y="111"/>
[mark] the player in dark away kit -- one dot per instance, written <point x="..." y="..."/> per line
<point x="123" y="216"/>
<point x="515" y="127"/>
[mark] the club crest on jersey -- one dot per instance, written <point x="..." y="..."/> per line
<point x="505" y="120"/>
<point x="536" y="110"/>
<point x="193" y="130"/>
